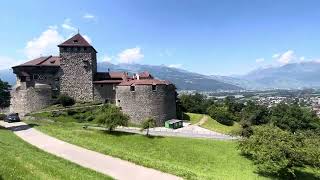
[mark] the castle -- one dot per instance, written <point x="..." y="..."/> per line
<point x="74" y="73"/>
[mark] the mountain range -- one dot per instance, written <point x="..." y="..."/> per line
<point x="289" y="76"/>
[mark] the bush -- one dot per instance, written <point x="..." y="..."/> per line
<point x="71" y="112"/>
<point x="90" y="118"/>
<point x="65" y="100"/>
<point x="221" y="115"/>
<point x="2" y="116"/>
<point x="278" y="152"/>
<point x="110" y="116"/>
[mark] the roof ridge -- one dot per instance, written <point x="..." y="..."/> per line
<point x="46" y="58"/>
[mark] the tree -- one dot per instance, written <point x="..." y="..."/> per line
<point x="221" y="114"/>
<point x="110" y="116"/>
<point x="148" y="123"/>
<point x="293" y="118"/>
<point x="279" y="152"/>
<point x="4" y="94"/>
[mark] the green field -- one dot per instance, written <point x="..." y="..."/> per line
<point x="213" y="125"/>
<point x="19" y="160"/>
<point x="188" y="158"/>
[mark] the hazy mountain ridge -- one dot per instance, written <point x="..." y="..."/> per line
<point x="184" y="80"/>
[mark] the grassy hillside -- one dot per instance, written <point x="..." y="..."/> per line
<point x="185" y="157"/>
<point x="19" y="160"/>
<point x="213" y="125"/>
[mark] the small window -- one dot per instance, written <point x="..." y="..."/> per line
<point x="154" y="87"/>
<point x="118" y="100"/>
<point x="85" y="48"/>
<point x="132" y="88"/>
<point x="75" y="41"/>
<point x="101" y="85"/>
<point x="78" y="48"/>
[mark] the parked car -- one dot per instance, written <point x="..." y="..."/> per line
<point x="14" y="117"/>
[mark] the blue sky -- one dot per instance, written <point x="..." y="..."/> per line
<point x="206" y="36"/>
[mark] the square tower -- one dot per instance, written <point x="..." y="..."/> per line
<point x="78" y="66"/>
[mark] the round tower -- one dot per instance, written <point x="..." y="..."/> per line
<point x="147" y="98"/>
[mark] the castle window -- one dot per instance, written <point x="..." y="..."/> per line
<point x="101" y="85"/>
<point x="85" y="48"/>
<point x="154" y="87"/>
<point x="132" y="88"/>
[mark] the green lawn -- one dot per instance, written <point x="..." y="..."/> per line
<point x="213" y="125"/>
<point x="19" y="160"/>
<point x="194" y="118"/>
<point x="188" y="158"/>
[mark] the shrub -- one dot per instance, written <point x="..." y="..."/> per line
<point x="71" y="112"/>
<point x="90" y="118"/>
<point x="65" y="100"/>
<point x="2" y="116"/>
<point x="110" y="116"/>
<point x="221" y="115"/>
<point x="278" y="152"/>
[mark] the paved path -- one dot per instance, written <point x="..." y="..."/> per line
<point x="114" y="167"/>
<point x="190" y="131"/>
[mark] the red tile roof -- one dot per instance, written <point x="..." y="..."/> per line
<point x="43" y="61"/>
<point x="145" y="75"/>
<point x="109" y="81"/>
<point x="144" y="82"/>
<point x="76" y="40"/>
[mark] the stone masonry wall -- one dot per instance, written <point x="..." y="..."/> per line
<point x="77" y="74"/>
<point x="143" y="102"/>
<point x="31" y="99"/>
<point x="103" y="92"/>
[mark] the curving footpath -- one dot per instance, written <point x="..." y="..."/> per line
<point x="114" y="167"/>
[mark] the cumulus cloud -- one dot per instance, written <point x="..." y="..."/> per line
<point x="175" y="65"/>
<point x="275" y="55"/>
<point x="106" y="58"/>
<point x="259" y="60"/>
<point x="130" y="56"/>
<point x="88" y="16"/>
<point x="7" y="62"/>
<point x="302" y="58"/>
<point x="45" y="44"/>
<point x="286" y="57"/>
<point x="67" y="25"/>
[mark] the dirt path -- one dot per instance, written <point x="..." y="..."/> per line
<point x="202" y="120"/>
<point x="114" y="167"/>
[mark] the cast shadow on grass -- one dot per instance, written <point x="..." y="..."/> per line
<point x="22" y="127"/>
<point x="121" y="133"/>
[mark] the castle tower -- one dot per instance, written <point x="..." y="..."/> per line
<point x="78" y="65"/>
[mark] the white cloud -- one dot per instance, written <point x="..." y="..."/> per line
<point x="106" y="58"/>
<point x="259" y="60"/>
<point x="68" y="26"/>
<point x="302" y="58"/>
<point x="275" y="55"/>
<point x="286" y="57"/>
<point x="132" y="55"/>
<point x="7" y="62"/>
<point x="88" y="16"/>
<point x="175" y="65"/>
<point x="45" y="44"/>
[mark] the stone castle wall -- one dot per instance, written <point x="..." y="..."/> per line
<point x="77" y="69"/>
<point x="144" y="102"/>
<point x="32" y="99"/>
<point x="104" y="93"/>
